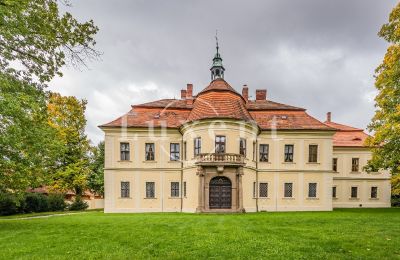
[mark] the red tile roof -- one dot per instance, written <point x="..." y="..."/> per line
<point x="347" y="136"/>
<point x="218" y="100"/>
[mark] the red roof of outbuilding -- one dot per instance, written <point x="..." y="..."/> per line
<point x="347" y="136"/>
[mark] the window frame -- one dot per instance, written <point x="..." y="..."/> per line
<point x="124" y="149"/>
<point x="355" y="167"/>
<point x="263" y="192"/>
<point x="289" y="155"/>
<point x="125" y="190"/>
<point x="374" y="192"/>
<point x="354" y="191"/>
<point x="174" y="152"/>
<point x="150" y="153"/>
<point x="286" y="190"/>
<point x="175" y="189"/>
<point x="312" y="193"/>
<point x="262" y="152"/>
<point x="313" y="154"/>
<point x="243" y="149"/>
<point x="150" y="189"/>
<point x="218" y="143"/>
<point x="335" y="164"/>
<point x="197" y="146"/>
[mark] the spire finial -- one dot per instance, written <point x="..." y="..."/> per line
<point x="216" y="39"/>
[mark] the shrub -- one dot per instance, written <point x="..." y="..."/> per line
<point x="56" y="202"/>
<point x="78" y="204"/>
<point x="36" y="202"/>
<point x="395" y="201"/>
<point x="8" y="204"/>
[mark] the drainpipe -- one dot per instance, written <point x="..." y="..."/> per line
<point x="182" y="158"/>
<point x="256" y="188"/>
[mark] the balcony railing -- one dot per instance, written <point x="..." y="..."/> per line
<point x="220" y="159"/>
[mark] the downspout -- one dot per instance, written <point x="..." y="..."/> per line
<point x="256" y="188"/>
<point x="184" y="154"/>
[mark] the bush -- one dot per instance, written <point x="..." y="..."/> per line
<point x="36" y="202"/>
<point x="8" y="204"/>
<point x="78" y="204"/>
<point x="56" y="202"/>
<point x="395" y="201"/>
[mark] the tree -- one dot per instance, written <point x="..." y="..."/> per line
<point x="386" y="121"/>
<point x="96" y="177"/>
<point x="67" y="117"/>
<point x="28" y="147"/>
<point x="34" y="34"/>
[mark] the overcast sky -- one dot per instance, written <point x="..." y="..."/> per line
<point x="316" y="54"/>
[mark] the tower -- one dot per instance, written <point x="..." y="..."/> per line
<point x="217" y="69"/>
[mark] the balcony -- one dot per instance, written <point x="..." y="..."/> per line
<point x="220" y="159"/>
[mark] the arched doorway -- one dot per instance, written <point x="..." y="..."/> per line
<point x="220" y="196"/>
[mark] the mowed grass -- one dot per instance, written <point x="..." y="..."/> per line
<point x="341" y="234"/>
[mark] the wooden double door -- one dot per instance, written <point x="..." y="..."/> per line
<point x="220" y="196"/>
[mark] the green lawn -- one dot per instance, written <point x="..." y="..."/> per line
<point x="350" y="233"/>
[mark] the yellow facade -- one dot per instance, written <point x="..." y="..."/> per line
<point x="193" y="194"/>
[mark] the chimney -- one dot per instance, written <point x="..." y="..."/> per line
<point x="328" y="116"/>
<point x="189" y="91"/>
<point x="183" y="93"/>
<point x="261" y="94"/>
<point x="245" y="93"/>
<point x="189" y="94"/>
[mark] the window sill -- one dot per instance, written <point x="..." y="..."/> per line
<point x="373" y="198"/>
<point x="129" y="198"/>
<point x="149" y="161"/>
<point x="173" y="161"/>
<point x="174" y="198"/>
<point x="265" y="162"/>
<point x="354" y="198"/>
<point x="150" y="198"/>
<point x="288" y="163"/>
<point x="312" y="198"/>
<point x="124" y="161"/>
<point x="355" y="172"/>
<point x="288" y="198"/>
<point x="262" y="198"/>
<point x="313" y="163"/>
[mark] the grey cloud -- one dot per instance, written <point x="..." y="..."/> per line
<point x="316" y="54"/>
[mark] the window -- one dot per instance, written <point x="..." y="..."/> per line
<point x="254" y="189"/>
<point x="312" y="190"/>
<point x="263" y="190"/>
<point x="242" y="146"/>
<point x="220" y="144"/>
<point x="150" y="193"/>
<point x="124" y="148"/>
<point x="197" y="146"/>
<point x="354" y="191"/>
<point x="289" y="152"/>
<point x="355" y="164"/>
<point x="174" y="152"/>
<point x="150" y="152"/>
<point x="264" y="150"/>
<point x="254" y="151"/>
<point x="312" y="153"/>
<point x="124" y="189"/>
<point x="174" y="189"/>
<point x="374" y="192"/>
<point x="184" y="151"/>
<point x="288" y="190"/>
<point x="333" y="192"/>
<point x="184" y="189"/>
<point x="334" y="164"/>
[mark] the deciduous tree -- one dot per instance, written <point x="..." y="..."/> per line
<point x="386" y="121"/>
